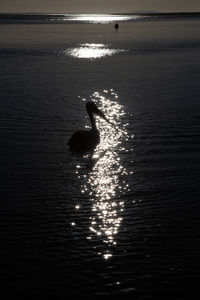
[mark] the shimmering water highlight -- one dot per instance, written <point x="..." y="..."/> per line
<point x="104" y="182"/>
<point x="98" y="18"/>
<point x="91" y="50"/>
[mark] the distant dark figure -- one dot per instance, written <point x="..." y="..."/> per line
<point x="83" y="141"/>
<point x="116" y="26"/>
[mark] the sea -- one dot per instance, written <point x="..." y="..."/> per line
<point x="122" y="220"/>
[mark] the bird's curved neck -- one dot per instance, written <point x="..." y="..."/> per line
<point x="92" y="120"/>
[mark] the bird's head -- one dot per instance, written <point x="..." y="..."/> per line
<point x="92" y="108"/>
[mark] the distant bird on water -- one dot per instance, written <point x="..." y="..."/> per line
<point x="82" y="140"/>
<point x="116" y="26"/>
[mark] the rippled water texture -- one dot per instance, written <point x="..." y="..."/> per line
<point x="123" y="220"/>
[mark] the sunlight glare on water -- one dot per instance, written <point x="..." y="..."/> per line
<point x="106" y="178"/>
<point x="98" y="18"/>
<point x="91" y="51"/>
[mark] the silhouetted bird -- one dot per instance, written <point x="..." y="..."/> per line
<point x="116" y="26"/>
<point x="82" y="141"/>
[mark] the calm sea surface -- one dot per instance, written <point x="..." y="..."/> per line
<point x="124" y="220"/>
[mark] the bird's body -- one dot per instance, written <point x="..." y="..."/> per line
<point x="82" y="140"/>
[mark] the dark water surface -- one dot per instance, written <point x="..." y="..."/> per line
<point x="125" y="221"/>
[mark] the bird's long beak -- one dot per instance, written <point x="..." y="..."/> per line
<point x="100" y="114"/>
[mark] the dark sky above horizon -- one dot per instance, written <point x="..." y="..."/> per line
<point x="98" y="6"/>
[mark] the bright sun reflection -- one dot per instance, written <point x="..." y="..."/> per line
<point x="98" y="18"/>
<point x="91" y="51"/>
<point x="105" y="181"/>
